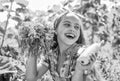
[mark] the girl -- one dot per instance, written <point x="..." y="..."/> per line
<point x="62" y="60"/>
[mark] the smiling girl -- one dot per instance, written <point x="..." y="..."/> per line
<point x="62" y="60"/>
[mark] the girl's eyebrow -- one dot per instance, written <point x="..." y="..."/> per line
<point x="70" y="22"/>
<point x="67" y="22"/>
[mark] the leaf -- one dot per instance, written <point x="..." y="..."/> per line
<point x="1" y="6"/>
<point x="21" y="10"/>
<point x="104" y="7"/>
<point x="1" y="10"/>
<point x="50" y="11"/>
<point x="5" y="71"/>
<point x="6" y="6"/>
<point x="85" y="8"/>
<point x="95" y="28"/>
<point x="65" y="2"/>
<point x="22" y="3"/>
<point x="4" y="1"/>
<point x="56" y="8"/>
<point x="101" y="24"/>
<point x="70" y="1"/>
<point x="85" y="0"/>
<point x="7" y="65"/>
<point x="2" y="24"/>
<point x="17" y="19"/>
<point x="2" y="30"/>
<point x="11" y="42"/>
<point x="4" y="63"/>
<point x="11" y="0"/>
<point x="97" y="1"/>
<point x="27" y="18"/>
<point x="10" y="35"/>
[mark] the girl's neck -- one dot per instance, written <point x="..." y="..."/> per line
<point x="63" y="47"/>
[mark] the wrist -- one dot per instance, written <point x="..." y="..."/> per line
<point x="79" y="67"/>
<point x="78" y="75"/>
<point x="79" y="70"/>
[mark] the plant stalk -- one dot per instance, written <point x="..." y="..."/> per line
<point x="8" y="17"/>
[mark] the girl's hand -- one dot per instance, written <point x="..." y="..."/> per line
<point x="88" y="57"/>
<point x="89" y="53"/>
<point x="85" y="68"/>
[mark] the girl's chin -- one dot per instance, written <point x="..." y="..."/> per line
<point x="69" y="43"/>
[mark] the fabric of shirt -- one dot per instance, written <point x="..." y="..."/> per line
<point x="68" y="67"/>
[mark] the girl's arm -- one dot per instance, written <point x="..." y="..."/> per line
<point x="34" y="71"/>
<point x="79" y="72"/>
<point x="78" y="76"/>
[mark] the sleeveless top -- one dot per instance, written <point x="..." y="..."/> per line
<point x="66" y="71"/>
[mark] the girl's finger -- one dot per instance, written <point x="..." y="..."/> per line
<point x="92" y="59"/>
<point x="96" y="54"/>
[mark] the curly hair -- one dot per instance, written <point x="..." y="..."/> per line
<point x="81" y="39"/>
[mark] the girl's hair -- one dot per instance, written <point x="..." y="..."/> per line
<point x="81" y="39"/>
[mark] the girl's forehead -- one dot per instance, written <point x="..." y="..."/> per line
<point x="71" y="16"/>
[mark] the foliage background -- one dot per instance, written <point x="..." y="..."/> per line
<point x="101" y="20"/>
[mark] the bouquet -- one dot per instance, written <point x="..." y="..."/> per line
<point x="35" y="38"/>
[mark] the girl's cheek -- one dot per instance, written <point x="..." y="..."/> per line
<point x="78" y="33"/>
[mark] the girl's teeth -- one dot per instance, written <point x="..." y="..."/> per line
<point x="71" y="35"/>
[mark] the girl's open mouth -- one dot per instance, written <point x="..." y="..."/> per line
<point x="70" y="35"/>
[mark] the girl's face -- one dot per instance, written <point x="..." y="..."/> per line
<point x="68" y="30"/>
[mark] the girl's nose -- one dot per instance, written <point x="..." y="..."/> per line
<point x="72" y="29"/>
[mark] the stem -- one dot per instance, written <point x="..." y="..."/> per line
<point x="8" y="17"/>
<point x="92" y="34"/>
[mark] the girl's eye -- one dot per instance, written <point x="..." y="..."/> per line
<point x="67" y="25"/>
<point x="76" y="27"/>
